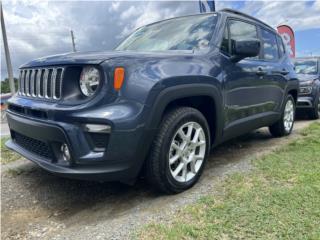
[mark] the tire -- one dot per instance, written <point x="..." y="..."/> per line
<point x="169" y="143"/>
<point x="315" y="111"/>
<point x="281" y="127"/>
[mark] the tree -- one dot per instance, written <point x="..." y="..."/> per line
<point x="5" y="87"/>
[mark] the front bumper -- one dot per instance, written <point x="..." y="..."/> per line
<point x="305" y="102"/>
<point x="121" y="160"/>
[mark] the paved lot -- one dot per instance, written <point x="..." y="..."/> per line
<point x="38" y="205"/>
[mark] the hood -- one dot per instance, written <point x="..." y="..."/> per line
<point x="306" y="77"/>
<point x="96" y="57"/>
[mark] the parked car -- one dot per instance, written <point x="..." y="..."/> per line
<point x="308" y="72"/>
<point x="3" y="101"/>
<point x="158" y="102"/>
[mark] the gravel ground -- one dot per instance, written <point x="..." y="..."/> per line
<point x="4" y="129"/>
<point x="38" y="205"/>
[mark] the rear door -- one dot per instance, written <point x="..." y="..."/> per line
<point x="273" y="62"/>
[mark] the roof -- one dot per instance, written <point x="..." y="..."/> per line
<point x="225" y="10"/>
<point x="178" y="17"/>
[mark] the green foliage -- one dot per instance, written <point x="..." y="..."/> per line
<point x="6" y="154"/>
<point x="5" y="87"/>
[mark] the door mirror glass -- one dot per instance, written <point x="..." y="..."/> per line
<point x="245" y="48"/>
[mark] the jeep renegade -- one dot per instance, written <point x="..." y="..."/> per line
<point x="158" y="102"/>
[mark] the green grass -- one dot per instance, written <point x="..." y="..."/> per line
<point x="279" y="199"/>
<point x="6" y="154"/>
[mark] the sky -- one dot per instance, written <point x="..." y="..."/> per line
<point x="37" y="28"/>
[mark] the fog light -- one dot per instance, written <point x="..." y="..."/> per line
<point x="65" y="152"/>
<point x="97" y="128"/>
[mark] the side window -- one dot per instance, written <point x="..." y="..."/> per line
<point x="282" y="50"/>
<point x="240" y="30"/>
<point x="270" y="47"/>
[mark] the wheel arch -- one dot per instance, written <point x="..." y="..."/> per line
<point x="199" y="96"/>
<point x="294" y="94"/>
<point x="291" y="89"/>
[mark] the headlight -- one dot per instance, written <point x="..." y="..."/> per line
<point x="305" y="90"/>
<point x="89" y="80"/>
<point x="307" y="83"/>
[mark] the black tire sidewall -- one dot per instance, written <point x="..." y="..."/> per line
<point x="315" y="110"/>
<point x="194" y="116"/>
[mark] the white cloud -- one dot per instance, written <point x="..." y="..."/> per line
<point x="299" y="15"/>
<point x="131" y="12"/>
<point x="22" y="45"/>
<point x="114" y="6"/>
<point x="153" y="11"/>
<point x="36" y="28"/>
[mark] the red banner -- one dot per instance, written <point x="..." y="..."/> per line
<point x="287" y="35"/>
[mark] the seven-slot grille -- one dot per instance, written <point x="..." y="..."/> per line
<point x="41" y="83"/>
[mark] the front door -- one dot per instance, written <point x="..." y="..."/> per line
<point x="243" y="81"/>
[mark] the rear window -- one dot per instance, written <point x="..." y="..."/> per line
<point x="282" y="50"/>
<point x="270" y="46"/>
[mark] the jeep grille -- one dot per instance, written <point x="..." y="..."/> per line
<point x="41" y="83"/>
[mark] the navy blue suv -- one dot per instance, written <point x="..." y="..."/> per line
<point x="308" y="72"/>
<point x="158" y="102"/>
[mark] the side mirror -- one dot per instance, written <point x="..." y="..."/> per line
<point x="245" y="48"/>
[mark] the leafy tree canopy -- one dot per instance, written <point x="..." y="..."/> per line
<point x="5" y="87"/>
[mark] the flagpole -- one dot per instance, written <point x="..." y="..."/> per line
<point x="7" y="53"/>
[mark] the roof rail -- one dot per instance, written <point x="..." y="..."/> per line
<point x="229" y="10"/>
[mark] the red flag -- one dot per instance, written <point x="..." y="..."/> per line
<point x="287" y="35"/>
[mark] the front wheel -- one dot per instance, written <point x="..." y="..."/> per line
<point x="284" y="125"/>
<point x="179" y="151"/>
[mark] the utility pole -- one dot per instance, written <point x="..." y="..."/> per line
<point x="7" y="53"/>
<point x="73" y="43"/>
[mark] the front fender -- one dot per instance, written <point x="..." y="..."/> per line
<point x="292" y="85"/>
<point x="168" y="95"/>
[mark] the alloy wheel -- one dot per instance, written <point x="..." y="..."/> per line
<point x="288" y="117"/>
<point x="187" y="152"/>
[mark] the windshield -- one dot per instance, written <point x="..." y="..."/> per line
<point x="306" y="66"/>
<point x="184" y="33"/>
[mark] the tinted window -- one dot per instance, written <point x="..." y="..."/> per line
<point x="242" y="31"/>
<point x="270" y="47"/>
<point x="185" y="33"/>
<point x="281" y="46"/>
<point x="306" y="66"/>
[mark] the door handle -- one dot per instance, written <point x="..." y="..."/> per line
<point x="282" y="72"/>
<point x="261" y="72"/>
